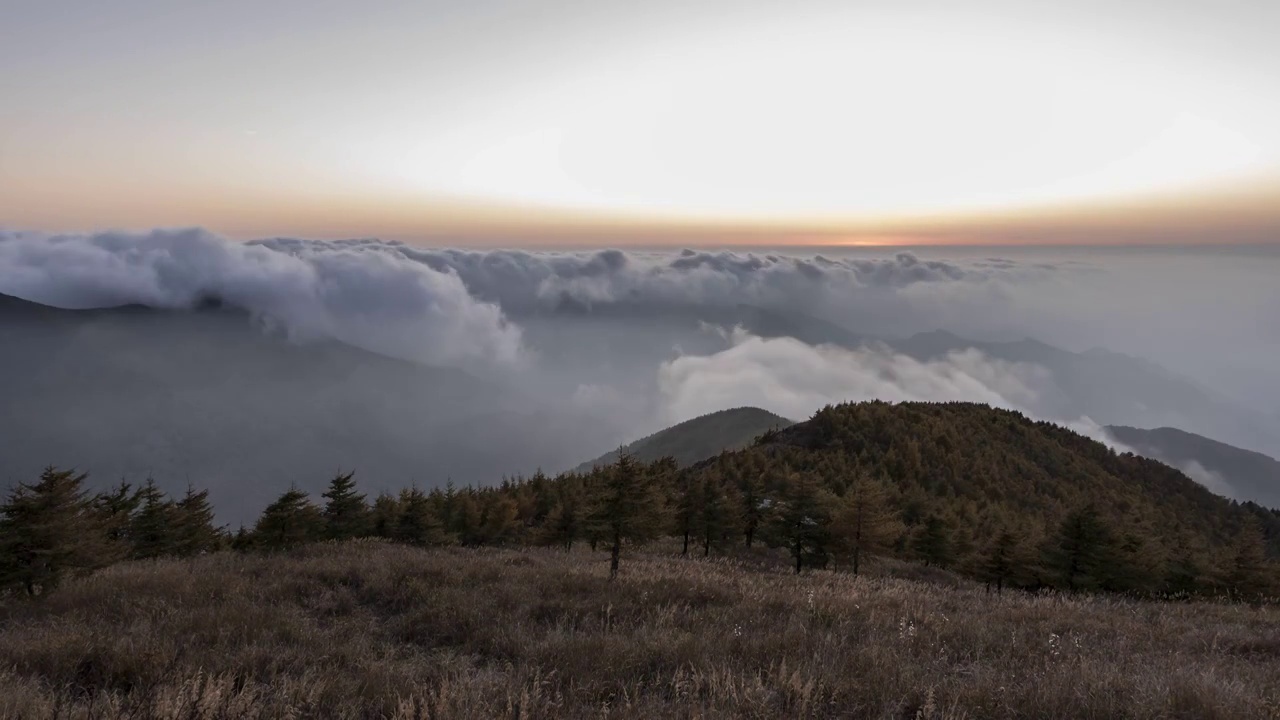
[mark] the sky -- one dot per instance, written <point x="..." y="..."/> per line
<point x="559" y="123"/>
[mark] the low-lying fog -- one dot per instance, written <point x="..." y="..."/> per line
<point x="579" y="351"/>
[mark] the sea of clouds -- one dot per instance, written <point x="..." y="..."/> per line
<point x="525" y="313"/>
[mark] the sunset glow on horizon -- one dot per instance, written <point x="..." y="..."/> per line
<point x="500" y="123"/>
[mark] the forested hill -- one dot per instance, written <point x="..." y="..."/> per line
<point x="699" y="438"/>
<point x="976" y="473"/>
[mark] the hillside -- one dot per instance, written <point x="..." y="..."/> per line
<point x="1248" y="474"/>
<point x="977" y="472"/>
<point x="699" y="438"/>
<point x="372" y="630"/>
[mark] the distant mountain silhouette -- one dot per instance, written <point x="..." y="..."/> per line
<point x="205" y="397"/>
<point x="1111" y="388"/>
<point x="1250" y="475"/>
<point x="700" y="438"/>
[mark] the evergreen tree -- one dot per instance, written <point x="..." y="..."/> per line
<point x="801" y="521"/>
<point x="1004" y="561"/>
<point x="468" y="521"/>
<point x="418" y="523"/>
<point x="1082" y="551"/>
<point x="115" y="509"/>
<point x="717" y="514"/>
<point x="193" y="530"/>
<point x="864" y="524"/>
<point x="288" y="522"/>
<point x="1247" y="571"/>
<point x="501" y="522"/>
<point x="932" y="544"/>
<point x="687" y="504"/>
<point x="48" y="531"/>
<point x="152" y="529"/>
<point x="385" y="516"/>
<point x="565" y="521"/>
<point x="346" y="514"/>
<point x="754" y="501"/>
<point x="629" y="508"/>
<point x="242" y="540"/>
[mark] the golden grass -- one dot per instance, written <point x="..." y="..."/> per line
<point x="370" y="630"/>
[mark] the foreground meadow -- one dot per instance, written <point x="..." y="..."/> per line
<point x="366" y="629"/>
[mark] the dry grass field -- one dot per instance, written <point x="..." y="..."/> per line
<point x="370" y="630"/>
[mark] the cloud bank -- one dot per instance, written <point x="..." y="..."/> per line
<point x="794" y="379"/>
<point x="360" y="294"/>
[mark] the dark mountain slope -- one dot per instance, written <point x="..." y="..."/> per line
<point x="983" y="470"/>
<point x="699" y="438"/>
<point x="206" y="397"/>
<point x="1249" y="474"/>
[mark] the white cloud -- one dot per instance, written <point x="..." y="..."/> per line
<point x="367" y="295"/>
<point x="794" y="379"/>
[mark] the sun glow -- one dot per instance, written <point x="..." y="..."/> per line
<point x="834" y="118"/>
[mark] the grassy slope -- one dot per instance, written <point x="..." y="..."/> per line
<point x="700" y="438"/>
<point x="370" y="630"/>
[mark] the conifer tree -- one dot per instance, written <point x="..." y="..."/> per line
<point x="115" y="509"/>
<point x="629" y="509"/>
<point x="49" y="531"/>
<point x="864" y="524"/>
<point x="1004" y="561"/>
<point x="467" y="519"/>
<point x="288" y="522"/>
<point x="754" y="501"/>
<point x="687" y="505"/>
<point x="346" y="514"/>
<point x="193" y="530"/>
<point x="385" y="516"/>
<point x="717" y="514"/>
<point x="801" y="522"/>
<point x="1247" y="571"/>
<point x="1081" y="552"/>
<point x="932" y="544"/>
<point x="418" y="523"/>
<point x="152" y="529"/>
<point x="501" y="523"/>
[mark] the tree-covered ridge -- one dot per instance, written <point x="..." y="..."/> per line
<point x="983" y="492"/>
<point x="700" y="438"/>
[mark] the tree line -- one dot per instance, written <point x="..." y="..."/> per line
<point x="832" y="493"/>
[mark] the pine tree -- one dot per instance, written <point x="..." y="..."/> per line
<point x="1247" y="571"/>
<point x="501" y="523"/>
<point x="864" y="524"/>
<point x="629" y="509"/>
<point x="193" y="530"/>
<point x="687" y="504"/>
<point x="755" y="504"/>
<point x="288" y="522"/>
<point x="418" y="523"/>
<point x="152" y="529"/>
<point x="1004" y="560"/>
<point x="467" y="519"/>
<point x="115" y="509"/>
<point x="717" y="515"/>
<point x="801" y="522"/>
<point x="932" y="544"/>
<point x="346" y="514"/>
<point x="1081" y="553"/>
<point x="565" y="521"/>
<point x="385" y="516"/>
<point x="49" y="531"/>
